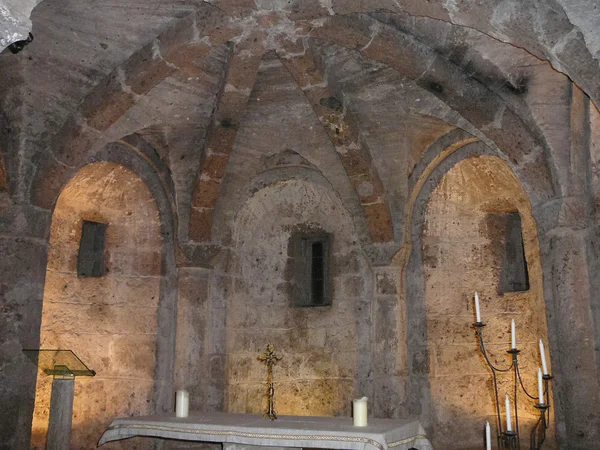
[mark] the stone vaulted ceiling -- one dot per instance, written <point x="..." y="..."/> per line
<point x="178" y="75"/>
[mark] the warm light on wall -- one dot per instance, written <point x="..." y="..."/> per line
<point x="109" y="320"/>
<point x="460" y="255"/>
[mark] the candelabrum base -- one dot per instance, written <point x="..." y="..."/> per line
<point x="510" y="440"/>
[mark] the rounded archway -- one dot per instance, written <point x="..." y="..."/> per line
<point x="109" y="319"/>
<point x="325" y="347"/>
<point x="479" y="234"/>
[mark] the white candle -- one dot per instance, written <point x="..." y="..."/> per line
<point x="513" y="335"/>
<point x="540" y="387"/>
<point x="359" y="412"/>
<point x="477" y="312"/>
<point x="182" y="403"/>
<point x="543" y="353"/>
<point x="488" y="437"/>
<point x="508" y="418"/>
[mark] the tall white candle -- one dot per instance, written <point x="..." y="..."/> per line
<point x="477" y="312"/>
<point x="488" y="437"/>
<point x="182" y="403"/>
<point x="543" y="354"/>
<point x="508" y="417"/>
<point x="359" y="412"/>
<point x="513" y="335"/>
<point x="540" y="387"/>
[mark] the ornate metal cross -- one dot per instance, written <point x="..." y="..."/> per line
<point x="269" y="358"/>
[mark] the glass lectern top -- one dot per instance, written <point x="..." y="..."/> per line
<point x="59" y="362"/>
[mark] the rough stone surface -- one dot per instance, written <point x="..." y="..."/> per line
<point x="109" y="322"/>
<point x="462" y="254"/>
<point x="321" y="346"/>
<point x="249" y="119"/>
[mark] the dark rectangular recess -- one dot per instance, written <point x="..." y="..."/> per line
<point x="310" y="256"/>
<point x="514" y="274"/>
<point x="90" y="260"/>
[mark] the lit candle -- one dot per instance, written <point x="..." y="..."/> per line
<point x="488" y="437"/>
<point x="543" y="353"/>
<point x="182" y="403"/>
<point x="359" y="412"/>
<point x="508" y="418"/>
<point x="477" y="312"/>
<point x="513" y="335"/>
<point x="540" y="387"/>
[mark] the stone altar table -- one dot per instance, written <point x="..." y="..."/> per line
<point x="287" y="431"/>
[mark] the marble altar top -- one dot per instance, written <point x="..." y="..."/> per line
<point x="286" y="431"/>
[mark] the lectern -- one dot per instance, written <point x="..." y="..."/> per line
<point x="64" y="366"/>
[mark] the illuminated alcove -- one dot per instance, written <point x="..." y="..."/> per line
<point x="109" y="321"/>
<point x="463" y="250"/>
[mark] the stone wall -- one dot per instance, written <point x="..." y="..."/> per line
<point x="462" y="253"/>
<point x="306" y="106"/>
<point x="326" y="350"/>
<point x="109" y="322"/>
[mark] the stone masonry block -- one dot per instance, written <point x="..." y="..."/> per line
<point x="148" y="76"/>
<point x="221" y="138"/>
<point x="379" y="222"/>
<point x="215" y="165"/>
<point x="200" y="224"/>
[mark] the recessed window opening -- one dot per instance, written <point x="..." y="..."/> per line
<point x="310" y="257"/>
<point x="317" y="273"/>
<point x="90" y="261"/>
<point x="514" y="274"/>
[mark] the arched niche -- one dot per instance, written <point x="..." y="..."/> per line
<point x="111" y="321"/>
<point x="326" y="350"/>
<point x="459" y="245"/>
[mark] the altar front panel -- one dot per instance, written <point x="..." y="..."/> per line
<point x="286" y="431"/>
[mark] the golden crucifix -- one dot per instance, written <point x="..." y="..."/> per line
<point x="269" y="358"/>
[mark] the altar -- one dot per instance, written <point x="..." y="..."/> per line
<point x="233" y="430"/>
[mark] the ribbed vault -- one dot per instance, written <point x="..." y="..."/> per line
<point x="187" y="52"/>
<point x="215" y="103"/>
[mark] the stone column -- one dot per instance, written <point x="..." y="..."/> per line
<point x="389" y="348"/>
<point x="61" y="414"/>
<point x="193" y="325"/>
<point x="23" y="248"/>
<point x="566" y="240"/>
<point x="571" y="334"/>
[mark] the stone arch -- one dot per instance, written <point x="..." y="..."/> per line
<point x="139" y="161"/>
<point x="423" y="360"/>
<point x="131" y="151"/>
<point x="525" y="149"/>
<point x="278" y="172"/>
<point x="258" y="308"/>
<point x="112" y="321"/>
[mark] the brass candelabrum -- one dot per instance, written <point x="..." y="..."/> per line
<point x="269" y="358"/>
<point x="509" y="440"/>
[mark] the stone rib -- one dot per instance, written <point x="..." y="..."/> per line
<point x="345" y="137"/>
<point x="434" y="73"/>
<point x="173" y="52"/>
<point x="239" y="81"/>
